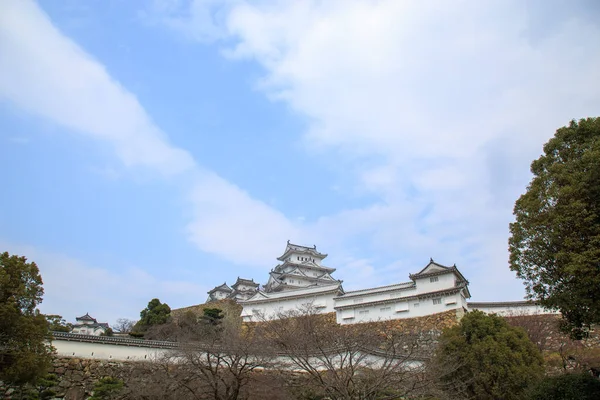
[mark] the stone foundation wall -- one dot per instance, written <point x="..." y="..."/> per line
<point x="76" y="377"/>
<point x="230" y="308"/>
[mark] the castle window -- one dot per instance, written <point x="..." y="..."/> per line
<point x="363" y="312"/>
<point x="437" y="301"/>
<point x="433" y="279"/>
<point x="385" y="309"/>
<point x="416" y="305"/>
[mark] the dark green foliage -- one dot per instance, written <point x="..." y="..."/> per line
<point x="567" y="387"/>
<point x="44" y="385"/>
<point x="486" y="358"/>
<point x="106" y="388"/>
<point x="213" y="316"/>
<point x="39" y="390"/>
<point x="156" y="313"/>
<point x="24" y="336"/>
<point x="555" y="240"/>
<point x="108" y="332"/>
<point x="56" y="323"/>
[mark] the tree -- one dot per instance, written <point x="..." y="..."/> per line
<point x="56" y="323"/>
<point x="216" y="362"/>
<point x="212" y="316"/>
<point x="107" y="332"/>
<point x="43" y="387"/>
<point x="555" y="239"/>
<point x="580" y="386"/>
<point x="156" y="313"/>
<point x="358" y="361"/>
<point x="494" y="360"/>
<point x="107" y="388"/>
<point x="25" y="353"/>
<point x="124" y="325"/>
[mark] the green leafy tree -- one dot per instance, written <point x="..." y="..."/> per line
<point x="44" y="387"/>
<point x="108" y="332"/>
<point x="107" y="388"/>
<point x="567" y="387"/>
<point x="56" y="323"/>
<point x="491" y="359"/>
<point x="41" y="389"/>
<point x="555" y="240"/>
<point x="25" y="353"/>
<point x="212" y="316"/>
<point x="156" y="313"/>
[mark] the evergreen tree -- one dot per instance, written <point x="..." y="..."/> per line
<point x="555" y="240"/>
<point x="212" y="316"/>
<point x="56" y="323"/>
<point x="567" y="387"/>
<point x="156" y="313"/>
<point x="25" y="352"/>
<point x="106" y="388"/>
<point x="489" y="359"/>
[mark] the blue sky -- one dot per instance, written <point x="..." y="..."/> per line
<point x="158" y="148"/>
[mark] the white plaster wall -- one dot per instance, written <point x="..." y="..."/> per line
<point x="446" y="281"/>
<point x="245" y="287"/>
<point x="303" y="257"/>
<point x="323" y="303"/>
<point x="513" y="310"/>
<point x="87" y="330"/>
<point x="399" y="310"/>
<point x="358" y="298"/>
<point x="105" y="351"/>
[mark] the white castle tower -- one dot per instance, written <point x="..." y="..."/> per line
<point x="300" y="267"/>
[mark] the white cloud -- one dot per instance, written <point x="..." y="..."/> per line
<point x="437" y="108"/>
<point x="198" y="20"/>
<point x="228" y="221"/>
<point x="453" y="100"/>
<point x="73" y="287"/>
<point x="47" y="74"/>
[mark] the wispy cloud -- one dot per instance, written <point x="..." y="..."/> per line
<point x="229" y="222"/>
<point x="106" y="293"/>
<point x="49" y="75"/>
<point x="437" y="108"/>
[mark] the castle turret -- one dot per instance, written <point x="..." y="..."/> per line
<point x="301" y="266"/>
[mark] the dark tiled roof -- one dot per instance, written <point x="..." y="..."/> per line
<point x="290" y="247"/>
<point x="242" y="281"/>
<point x="222" y="288"/>
<point x="86" y="317"/>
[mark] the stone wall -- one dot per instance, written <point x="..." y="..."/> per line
<point x="560" y="352"/>
<point x="230" y="308"/>
<point x="76" y="377"/>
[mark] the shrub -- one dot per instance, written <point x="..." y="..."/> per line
<point x="580" y="386"/>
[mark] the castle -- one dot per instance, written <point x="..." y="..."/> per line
<point x="301" y="278"/>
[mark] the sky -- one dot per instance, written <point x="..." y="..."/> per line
<point x="159" y="148"/>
